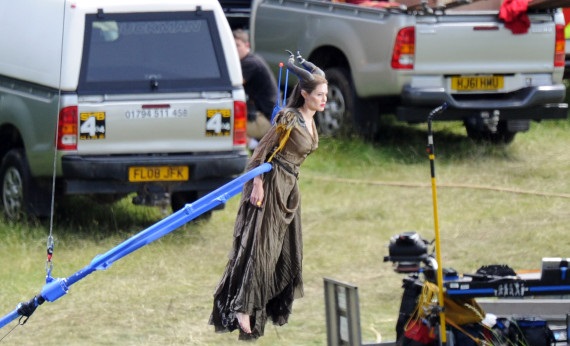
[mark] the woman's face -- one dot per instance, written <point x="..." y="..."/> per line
<point x="317" y="99"/>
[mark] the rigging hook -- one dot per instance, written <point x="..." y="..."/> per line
<point x="49" y="250"/>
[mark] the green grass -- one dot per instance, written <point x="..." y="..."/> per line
<point x="496" y="204"/>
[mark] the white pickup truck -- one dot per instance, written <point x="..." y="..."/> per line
<point x="114" y="97"/>
<point x="408" y="59"/>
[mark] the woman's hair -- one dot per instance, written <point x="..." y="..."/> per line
<point x="296" y="100"/>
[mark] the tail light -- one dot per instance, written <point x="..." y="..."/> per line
<point x="240" y="123"/>
<point x="404" y="49"/>
<point x="559" y="46"/>
<point x="67" y="129"/>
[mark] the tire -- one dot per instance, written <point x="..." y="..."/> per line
<point x="179" y="199"/>
<point x="20" y="198"/>
<point x="337" y="118"/>
<point x="480" y="133"/>
<point x="346" y="114"/>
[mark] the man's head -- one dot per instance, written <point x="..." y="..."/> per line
<point x="242" y="42"/>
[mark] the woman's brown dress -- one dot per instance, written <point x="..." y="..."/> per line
<point x="263" y="274"/>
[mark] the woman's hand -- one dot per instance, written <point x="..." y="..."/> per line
<point x="257" y="193"/>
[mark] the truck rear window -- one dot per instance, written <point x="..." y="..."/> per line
<point x="152" y="52"/>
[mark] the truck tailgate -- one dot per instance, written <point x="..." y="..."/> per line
<point x="178" y="125"/>
<point x="478" y="44"/>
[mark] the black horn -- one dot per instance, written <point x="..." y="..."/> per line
<point x="301" y="73"/>
<point x="309" y="66"/>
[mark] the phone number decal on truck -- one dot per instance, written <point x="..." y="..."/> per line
<point x="156" y="113"/>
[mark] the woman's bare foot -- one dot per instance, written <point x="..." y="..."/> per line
<point x="243" y="320"/>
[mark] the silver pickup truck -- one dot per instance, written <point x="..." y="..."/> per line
<point x="406" y="60"/>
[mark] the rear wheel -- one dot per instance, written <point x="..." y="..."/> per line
<point x="477" y="131"/>
<point x="337" y="118"/>
<point x="345" y="113"/>
<point x="20" y="196"/>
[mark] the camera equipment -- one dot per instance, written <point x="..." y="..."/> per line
<point x="407" y="251"/>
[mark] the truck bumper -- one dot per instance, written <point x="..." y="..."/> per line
<point x="532" y="103"/>
<point x="109" y="174"/>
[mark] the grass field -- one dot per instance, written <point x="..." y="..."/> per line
<point x="497" y="205"/>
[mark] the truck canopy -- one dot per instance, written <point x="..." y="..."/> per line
<point x="63" y="25"/>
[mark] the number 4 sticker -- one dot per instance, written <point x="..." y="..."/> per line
<point x="218" y="122"/>
<point x="92" y="125"/>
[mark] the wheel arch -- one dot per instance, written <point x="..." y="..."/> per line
<point x="10" y="139"/>
<point x="327" y="57"/>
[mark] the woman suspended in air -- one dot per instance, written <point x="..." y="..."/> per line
<point x="264" y="271"/>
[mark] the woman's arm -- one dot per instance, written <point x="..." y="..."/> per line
<point x="257" y="193"/>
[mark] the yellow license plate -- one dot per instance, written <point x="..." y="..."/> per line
<point x="158" y="173"/>
<point x="477" y="83"/>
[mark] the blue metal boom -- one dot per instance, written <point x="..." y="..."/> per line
<point x="56" y="288"/>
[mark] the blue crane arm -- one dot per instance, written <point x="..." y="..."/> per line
<point x="57" y="287"/>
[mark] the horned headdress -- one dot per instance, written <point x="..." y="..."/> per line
<point x="304" y="73"/>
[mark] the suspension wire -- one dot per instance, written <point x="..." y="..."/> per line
<point x="21" y="321"/>
<point x="50" y="241"/>
<point x="11" y="330"/>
